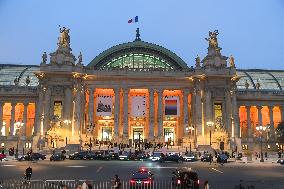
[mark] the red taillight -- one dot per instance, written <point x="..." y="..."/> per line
<point x="146" y="182"/>
<point x="178" y="181"/>
<point x="132" y="181"/>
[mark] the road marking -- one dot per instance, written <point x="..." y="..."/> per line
<point x="76" y="166"/>
<point x="8" y="165"/>
<point x="216" y="170"/>
<point x="98" y="170"/>
<point x="161" y="167"/>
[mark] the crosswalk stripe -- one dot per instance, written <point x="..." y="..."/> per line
<point x="216" y="170"/>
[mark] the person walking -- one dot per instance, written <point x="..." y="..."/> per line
<point x="206" y="185"/>
<point x="117" y="183"/>
<point x="210" y="158"/>
<point x="29" y="172"/>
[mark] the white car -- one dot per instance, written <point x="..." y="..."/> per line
<point x="156" y="156"/>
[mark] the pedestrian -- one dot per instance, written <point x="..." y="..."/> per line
<point x="206" y="185"/>
<point x="84" y="185"/>
<point x="29" y="172"/>
<point x="210" y="158"/>
<point x="117" y="183"/>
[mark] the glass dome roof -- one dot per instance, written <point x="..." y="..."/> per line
<point x="9" y="72"/>
<point x="268" y="79"/>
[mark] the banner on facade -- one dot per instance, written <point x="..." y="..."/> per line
<point x="138" y="106"/>
<point x="172" y="105"/>
<point x="104" y="105"/>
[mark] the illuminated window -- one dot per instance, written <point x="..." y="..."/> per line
<point x="218" y="116"/>
<point x="57" y="109"/>
<point x="138" y="61"/>
<point x="244" y="146"/>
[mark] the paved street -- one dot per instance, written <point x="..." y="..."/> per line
<point x="104" y="170"/>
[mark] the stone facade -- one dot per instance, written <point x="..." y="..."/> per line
<point x="65" y="101"/>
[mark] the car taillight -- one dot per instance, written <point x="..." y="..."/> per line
<point x="198" y="181"/>
<point x="132" y="181"/>
<point x="146" y="182"/>
<point x="178" y="181"/>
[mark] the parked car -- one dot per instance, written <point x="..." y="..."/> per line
<point x="222" y="158"/>
<point x="91" y="155"/>
<point x="185" y="178"/>
<point x="156" y="156"/>
<point x="281" y="161"/>
<point x="190" y="157"/>
<point x="78" y="155"/>
<point x="32" y="157"/>
<point x="124" y="156"/>
<point x="171" y="158"/>
<point x="2" y="156"/>
<point x="205" y="157"/>
<point x="141" y="179"/>
<point x="57" y="157"/>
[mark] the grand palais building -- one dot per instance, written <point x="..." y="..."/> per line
<point x="139" y="91"/>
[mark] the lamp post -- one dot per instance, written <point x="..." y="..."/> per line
<point x="67" y="122"/>
<point x="190" y="130"/>
<point x="261" y="129"/>
<point x="210" y="124"/>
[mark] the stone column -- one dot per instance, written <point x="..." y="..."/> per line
<point x="116" y="111"/>
<point x="235" y="116"/>
<point x="249" y="122"/>
<point x="271" y="118"/>
<point x="259" y="115"/>
<point x="125" y="112"/>
<point x="67" y="107"/>
<point x="228" y="114"/>
<point x="151" y="113"/>
<point x="77" y="116"/>
<point x="1" y="117"/>
<point x="91" y="105"/>
<point x="46" y="110"/>
<point x="25" y="117"/>
<point x="208" y="108"/>
<point x="39" y="112"/>
<point x="185" y="110"/>
<point x="12" y="121"/>
<point x="198" y="112"/>
<point x="160" y="112"/>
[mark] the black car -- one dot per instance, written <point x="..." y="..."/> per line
<point x="171" y="158"/>
<point x="91" y="155"/>
<point x="78" y="155"/>
<point x="185" y="178"/>
<point x="57" y="157"/>
<point x="281" y="161"/>
<point x="32" y="157"/>
<point x="205" y="157"/>
<point x="141" y="179"/>
<point x="222" y="158"/>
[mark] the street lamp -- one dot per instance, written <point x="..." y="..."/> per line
<point x="190" y="130"/>
<point x="261" y="129"/>
<point x="66" y="122"/>
<point x="210" y="124"/>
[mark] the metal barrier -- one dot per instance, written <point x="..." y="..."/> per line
<point x="73" y="184"/>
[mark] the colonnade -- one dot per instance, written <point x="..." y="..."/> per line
<point x="250" y="122"/>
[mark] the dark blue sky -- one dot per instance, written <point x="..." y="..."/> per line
<point x="251" y="30"/>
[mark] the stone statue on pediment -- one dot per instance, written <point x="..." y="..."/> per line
<point x="80" y="59"/>
<point x="197" y="61"/>
<point x="64" y="39"/>
<point x="44" y="58"/>
<point x="257" y="85"/>
<point x="232" y="62"/>
<point x="213" y="42"/>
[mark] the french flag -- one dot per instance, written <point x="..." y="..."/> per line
<point x="133" y="20"/>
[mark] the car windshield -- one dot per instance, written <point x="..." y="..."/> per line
<point x="156" y="154"/>
<point x="140" y="175"/>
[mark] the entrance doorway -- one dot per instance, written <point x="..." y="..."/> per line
<point x="169" y="135"/>
<point x="138" y="133"/>
<point x="106" y="134"/>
